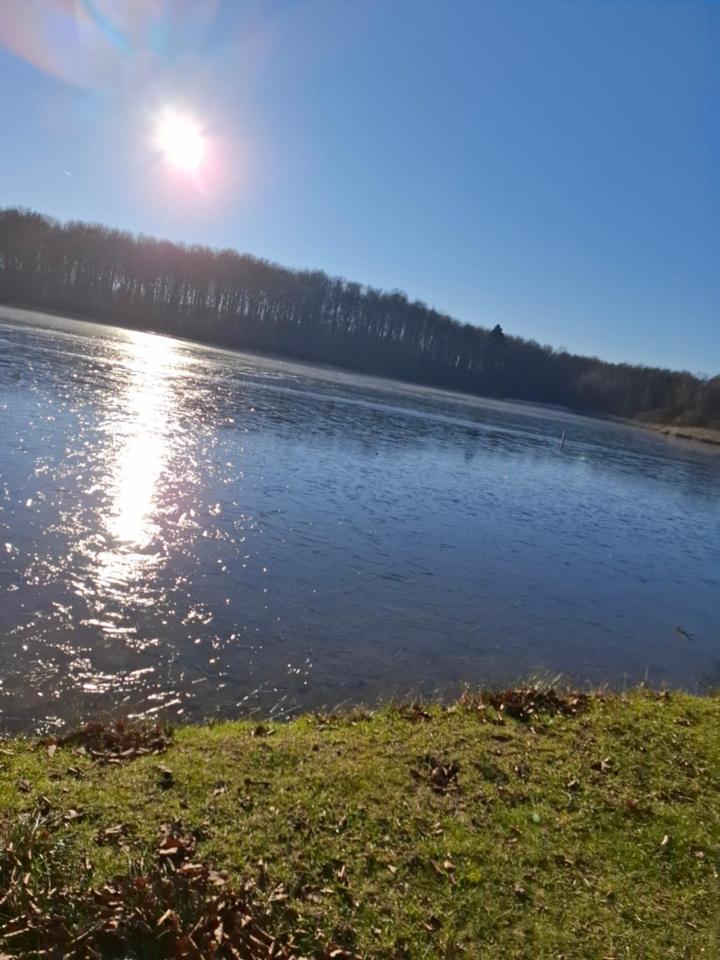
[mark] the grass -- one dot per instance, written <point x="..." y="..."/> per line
<point x="581" y="829"/>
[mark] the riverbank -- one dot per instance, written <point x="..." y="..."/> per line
<point x="699" y="434"/>
<point x="529" y="825"/>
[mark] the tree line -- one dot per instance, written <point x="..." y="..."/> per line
<point x="236" y="300"/>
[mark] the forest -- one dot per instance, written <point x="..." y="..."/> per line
<point x="236" y="300"/>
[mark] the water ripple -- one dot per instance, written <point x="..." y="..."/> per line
<point x="187" y="531"/>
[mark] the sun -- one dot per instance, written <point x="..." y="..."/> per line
<point x="179" y="137"/>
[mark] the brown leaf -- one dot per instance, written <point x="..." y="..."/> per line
<point x="167" y="777"/>
<point x="261" y="731"/>
<point x="414" y="713"/>
<point x="525" y="702"/>
<point x="112" y="834"/>
<point x="113" y="743"/>
<point x="442" y="776"/>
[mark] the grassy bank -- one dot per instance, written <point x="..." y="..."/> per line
<point x="528" y="827"/>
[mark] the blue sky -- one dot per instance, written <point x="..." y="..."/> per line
<point x="550" y="166"/>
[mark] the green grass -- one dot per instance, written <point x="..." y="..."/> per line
<point x="589" y="836"/>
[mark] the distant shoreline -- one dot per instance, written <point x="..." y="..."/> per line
<point x="696" y="434"/>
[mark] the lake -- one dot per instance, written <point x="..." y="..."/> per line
<point x="188" y="532"/>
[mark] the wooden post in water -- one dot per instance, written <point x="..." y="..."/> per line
<point x="562" y="441"/>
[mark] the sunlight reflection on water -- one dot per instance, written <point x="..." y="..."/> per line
<point x="141" y="439"/>
<point x="144" y="437"/>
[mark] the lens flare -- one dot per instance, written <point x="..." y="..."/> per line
<point x="180" y="139"/>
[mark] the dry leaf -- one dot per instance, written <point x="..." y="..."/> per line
<point x="167" y="777"/>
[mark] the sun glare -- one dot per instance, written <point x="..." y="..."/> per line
<point x="179" y="137"/>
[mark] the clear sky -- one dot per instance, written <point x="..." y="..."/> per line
<point x="550" y="166"/>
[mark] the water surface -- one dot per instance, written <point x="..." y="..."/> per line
<point x="192" y="531"/>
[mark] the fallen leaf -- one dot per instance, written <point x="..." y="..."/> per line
<point x="113" y="743"/>
<point x="525" y="702"/>
<point x="414" y="713"/>
<point x="442" y="776"/>
<point x="111" y="834"/>
<point x="261" y="731"/>
<point x="167" y="777"/>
